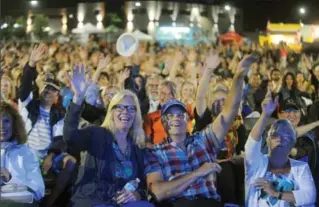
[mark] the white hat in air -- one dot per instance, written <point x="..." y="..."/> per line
<point x="127" y="44"/>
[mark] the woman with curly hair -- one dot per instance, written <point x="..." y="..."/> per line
<point x="19" y="166"/>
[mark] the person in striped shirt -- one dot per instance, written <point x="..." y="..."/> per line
<point x="44" y="122"/>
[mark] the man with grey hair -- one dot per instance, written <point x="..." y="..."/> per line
<point x="152" y="85"/>
<point x="182" y="169"/>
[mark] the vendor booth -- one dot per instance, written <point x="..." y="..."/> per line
<point x="288" y="33"/>
<point x="231" y="38"/>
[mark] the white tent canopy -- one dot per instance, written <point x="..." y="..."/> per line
<point x="142" y="36"/>
<point x="88" y="28"/>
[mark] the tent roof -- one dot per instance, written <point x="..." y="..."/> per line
<point x="231" y="36"/>
<point x="141" y="36"/>
<point x="88" y="28"/>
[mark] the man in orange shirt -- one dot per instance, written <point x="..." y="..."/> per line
<point x="153" y="127"/>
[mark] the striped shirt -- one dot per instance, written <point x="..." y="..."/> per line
<point x="173" y="162"/>
<point x="40" y="138"/>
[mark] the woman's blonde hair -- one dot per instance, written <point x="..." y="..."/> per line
<point x="187" y="82"/>
<point x="12" y="94"/>
<point x="18" y="130"/>
<point x="136" y="130"/>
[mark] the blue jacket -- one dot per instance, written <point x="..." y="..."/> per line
<point x="96" y="182"/>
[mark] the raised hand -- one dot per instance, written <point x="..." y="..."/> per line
<point x="212" y="60"/>
<point x="178" y="56"/>
<point x="83" y="54"/>
<point x="79" y="83"/>
<point x="37" y="54"/>
<point x="191" y="56"/>
<point x="244" y="65"/>
<point x="103" y="63"/>
<point x="269" y="104"/>
<point x="125" y="74"/>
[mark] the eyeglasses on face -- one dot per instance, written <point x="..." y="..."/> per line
<point x="121" y="108"/>
<point x="291" y="111"/>
<point x="179" y="116"/>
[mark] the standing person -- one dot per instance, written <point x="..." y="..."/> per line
<point x="19" y="166"/>
<point x="44" y="124"/>
<point x="274" y="179"/>
<point x="181" y="170"/>
<point x="113" y="152"/>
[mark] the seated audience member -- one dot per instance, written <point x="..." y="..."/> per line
<point x="154" y="129"/>
<point x="305" y="148"/>
<point x="19" y="166"/>
<point x="251" y="88"/>
<point x="43" y="120"/>
<point x="181" y="170"/>
<point x="274" y="179"/>
<point x="152" y="85"/>
<point x="113" y="152"/>
<point x="8" y="90"/>
<point x="289" y="91"/>
<point x="230" y="180"/>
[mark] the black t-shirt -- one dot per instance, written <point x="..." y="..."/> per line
<point x="203" y="121"/>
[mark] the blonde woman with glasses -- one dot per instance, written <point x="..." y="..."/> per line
<point x="113" y="152"/>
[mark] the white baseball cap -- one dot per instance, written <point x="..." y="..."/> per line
<point x="127" y="44"/>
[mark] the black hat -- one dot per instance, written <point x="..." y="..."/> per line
<point x="52" y="82"/>
<point x="289" y="104"/>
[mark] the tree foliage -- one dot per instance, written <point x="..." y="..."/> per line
<point x="40" y="22"/>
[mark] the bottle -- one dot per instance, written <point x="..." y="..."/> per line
<point x="132" y="185"/>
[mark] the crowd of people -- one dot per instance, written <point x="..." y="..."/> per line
<point x="210" y="125"/>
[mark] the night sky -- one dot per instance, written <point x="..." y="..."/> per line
<point x="256" y="12"/>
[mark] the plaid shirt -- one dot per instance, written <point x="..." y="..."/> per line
<point x="173" y="162"/>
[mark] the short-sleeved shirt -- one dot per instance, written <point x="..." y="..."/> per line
<point x="173" y="162"/>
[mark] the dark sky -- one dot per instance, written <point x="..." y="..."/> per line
<point x="256" y="12"/>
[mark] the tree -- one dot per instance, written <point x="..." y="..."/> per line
<point x="6" y="28"/>
<point x="19" y="28"/>
<point x="40" y="23"/>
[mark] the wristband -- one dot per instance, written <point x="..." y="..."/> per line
<point x="280" y="196"/>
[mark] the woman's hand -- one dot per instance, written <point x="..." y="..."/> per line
<point x="269" y="104"/>
<point x="37" y="54"/>
<point x="47" y="163"/>
<point x="103" y="63"/>
<point x="128" y="196"/>
<point x="5" y="174"/>
<point x="263" y="184"/>
<point x="79" y="83"/>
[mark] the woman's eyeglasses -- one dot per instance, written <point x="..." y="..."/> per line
<point x="121" y="108"/>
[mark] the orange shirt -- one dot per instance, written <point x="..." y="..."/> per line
<point x="154" y="128"/>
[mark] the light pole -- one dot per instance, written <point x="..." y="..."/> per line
<point x="34" y="3"/>
<point x="227" y="8"/>
<point x="302" y="11"/>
